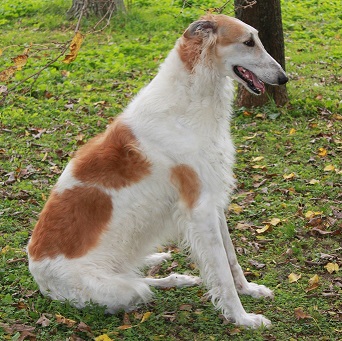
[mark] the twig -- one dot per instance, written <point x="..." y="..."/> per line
<point x="36" y="74"/>
<point x="81" y="15"/>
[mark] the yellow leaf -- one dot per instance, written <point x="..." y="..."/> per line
<point x="289" y="176"/>
<point x="263" y="229"/>
<point x="311" y="214"/>
<point x="6" y="249"/>
<point x="329" y="168"/>
<point x="331" y="267"/>
<point x="293" y="277"/>
<point x="103" y="337"/>
<point x="258" y="167"/>
<point x="313" y="181"/>
<point x="235" y="208"/>
<point x="275" y="221"/>
<point x="257" y="159"/>
<point x="0" y="52"/>
<point x="20" y="61"/>
<point x="146" y="316"/>
<point x="7" y="73"/>
<point x="322" y="152"/>
<point x="292" y="131"/>
<point x="75" y="45"/>
<point x="250" y="137"/>
<point x="314" y="280"/>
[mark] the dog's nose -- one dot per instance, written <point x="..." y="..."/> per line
<point x="282" y="79"/>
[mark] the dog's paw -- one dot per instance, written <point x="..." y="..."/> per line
<point x="253" y="321"/>
<point x="256" y="291"/>
<point x="184" y="280"/>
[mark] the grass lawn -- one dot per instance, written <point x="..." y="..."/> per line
<point x="285" y="217"/>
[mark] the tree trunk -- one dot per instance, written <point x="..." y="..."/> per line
<point x="98" y="8"/>
<point x="265" y="16"/>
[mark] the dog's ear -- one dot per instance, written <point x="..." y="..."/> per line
<point x="200" y="27"/>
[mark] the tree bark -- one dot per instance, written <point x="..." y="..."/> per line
<point x="98" y="8"/>
<point x="265" y="16"/>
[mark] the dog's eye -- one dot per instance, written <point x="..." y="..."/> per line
<point x="249" y="43"/>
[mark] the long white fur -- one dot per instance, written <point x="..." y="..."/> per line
<point x="181" y="117"/>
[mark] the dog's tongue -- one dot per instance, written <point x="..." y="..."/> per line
<point x="258" y="84"/>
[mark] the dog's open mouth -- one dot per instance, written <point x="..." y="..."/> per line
<point x="252" y="81"/>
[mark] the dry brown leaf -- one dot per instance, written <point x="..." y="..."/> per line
<point x="6" y="74"/>
<point x="300" y="314"/>
<point x="20" y="61"/>
<point x="43" y="321"/>
<point x="124" y="327"/>
<point x="75" y="45"/>
<point x="63" y="320"/>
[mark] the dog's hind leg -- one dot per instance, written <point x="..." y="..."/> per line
<point x="174" y="280"/>
<point x="242" y="285"/>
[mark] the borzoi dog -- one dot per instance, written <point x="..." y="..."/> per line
<point x="162" y="171"/>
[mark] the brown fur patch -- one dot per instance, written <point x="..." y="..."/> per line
<point x="190" y="51"/>
<point x="227" y="31"/>
<point x="71" y="223"/>
<point x="111" y="159"/>
<point x="188" y="184"/>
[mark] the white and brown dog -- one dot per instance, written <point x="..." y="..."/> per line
<point x="162" y="171"/>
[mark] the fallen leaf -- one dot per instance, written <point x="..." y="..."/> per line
<point x="20" y="61"/>
<point x="43" y="321"/>
<point x="235" y="208"/>
<point x="300" y="314"/>
<point x="313" y="181"/>
<point x="329" y="168"/>
<point x="63" y="320"/>
<point x="331" y="267"/>
<point x="313" y="283"/>
<point x="292" y="131"/>
<point x="146" y="316"/>
<point x="186" y="307"/>
<point x="289" y="176"/>
<point x="7" y="73"/>
<point x="322" y="152"/>
<point x="123" y="327"/>
<point x="103" y="337"/>
<point x="293" y="277"/>
<point x="263" y="229"/>
<point x="250" y="137"/>
<point x="275" y="221"/>
<point x="257" y="159"/>
<point x="256" y="264"/>
<point x="311" y="214"/>
<point x="242" y="226"/>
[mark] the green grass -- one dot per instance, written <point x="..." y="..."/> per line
<point x="43" y="122"/>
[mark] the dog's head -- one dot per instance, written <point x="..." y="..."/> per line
<point x="233" y="48"/>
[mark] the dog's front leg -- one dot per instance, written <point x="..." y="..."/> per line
<point x="207" y="247"/>
<point x="242" y="285"/>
